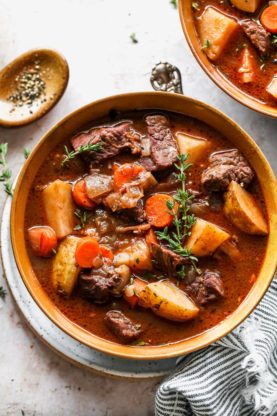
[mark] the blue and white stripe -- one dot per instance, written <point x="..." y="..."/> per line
<point x="236" y="376"/>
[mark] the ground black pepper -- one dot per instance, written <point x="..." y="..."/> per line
<point x="29" y="87"/>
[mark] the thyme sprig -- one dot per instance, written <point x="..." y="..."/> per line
<point x="182" y="219"/>
<point x="68" y="156"/>
<point x="83" y="217"/>
<point x="6" y="173"/>
<point x="3" y="293"/>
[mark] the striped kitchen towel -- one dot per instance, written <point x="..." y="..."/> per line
<point x="236" y="376"/>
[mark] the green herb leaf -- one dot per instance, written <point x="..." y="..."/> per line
<point x="274" y="40"/>
<point x="83" y="216"/>
<point x="68" y="156"/>
<point x="3" y="293"/>
<point x="195" y="6"/>
<point x="6" y="173"/>
<point x="173" y="3"/>
<point x="26" y="152"/>
<point x="133" y="38"/>
<point x="206" y="44"/>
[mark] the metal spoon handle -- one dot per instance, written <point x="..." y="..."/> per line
<point x="166" y="77"/>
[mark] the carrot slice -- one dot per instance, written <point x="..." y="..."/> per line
<point x="126" y="173"/>
<point x="86" y="251"/>
<point x="43" y="240"/>
<point x="79" y="192"/>
<point x="157" y="210"/>
<point x="106" y="252"/>
<point x="269" y="18"/>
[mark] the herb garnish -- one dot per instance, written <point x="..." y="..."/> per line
<point x="182" y="219"/>
<point x="84" y="148"/>
<point x="174" y="3"/>
<point x="133" y="38"/>
<point x="274" y="40"/>
<point x="206" y="44"/>
<point x="195" y="6"/>
<point x="83" y="216"/>
<point x="6" y="173"/>
<point x="26" y="152"/>
<point x="3" y="293"/>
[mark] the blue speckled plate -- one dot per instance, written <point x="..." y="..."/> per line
<point x="56" y="339"/>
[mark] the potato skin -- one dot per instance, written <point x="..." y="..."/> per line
<point x="65" y="269"/>
<point x="168" y="301"/>
<point x="243" y="211"/>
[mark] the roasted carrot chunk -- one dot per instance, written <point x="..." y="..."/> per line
<point x="158" y="211"/>
<point x="269" y="18"/>
<point x="106" y="252"/>
<point x="126" y="173"/>
<point x="43" y="240"/>
<point x="80" y="196"/>
<point x="86" y="251"/>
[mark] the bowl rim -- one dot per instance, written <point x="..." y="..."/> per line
<point x="186" y="18"/>
<point x="166" y="350"/>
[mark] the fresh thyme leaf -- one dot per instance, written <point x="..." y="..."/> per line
<point x="132" y="280"/>
<point x="206" y="44"/>
<point x="182" y="219"/>
<point x="140" y="343"/>
<point x="26" y="152"/>
<point x="274" y="40"/>
<point x="133" y="38"/>
<point x="8" y="188"/>
<point x="84" y="148"/>
<point x="173" y="3"/>
<point x="6" y="173"/>
<point x="83" y="216"/>
<point x="3" y="293"/>
<point x="195" y="6"/>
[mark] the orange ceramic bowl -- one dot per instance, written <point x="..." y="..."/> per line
<point x="187" y="20"/>
<point x="126" y="102"/>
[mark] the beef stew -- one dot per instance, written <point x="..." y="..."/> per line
<point x="240" y="38"/>
<point x="146" y="254"/>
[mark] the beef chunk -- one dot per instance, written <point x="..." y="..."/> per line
<point x="163" y="147"/>
<point x="114" y="140"/>
<point x="122" y="326"/>
<point x="257" y="35"/>
<point x="206" y="287"/>
<point x="226" y="166"/>
<point x="137" y="213"/>
<point x="165" y="259"/>
<point x="98" y="284"/>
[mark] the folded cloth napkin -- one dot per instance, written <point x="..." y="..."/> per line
<point x="236" y="376"/>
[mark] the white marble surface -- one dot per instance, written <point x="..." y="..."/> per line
<point x="94" y="35"/>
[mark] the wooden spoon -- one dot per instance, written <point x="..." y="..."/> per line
<point x="31" y="85"/>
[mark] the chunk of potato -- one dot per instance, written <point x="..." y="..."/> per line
<point x="205" y="238"/>
<point x="215" y="31"/>
<point x="137" y="256"/>
<point x="59" y="207"/>
<point x="272" y="87"/>
<point x="194" y="146"/>
<point x="249" y="6"/>
<point x="167" y="300"/>
<point x="65" y="269"/>
<point x="243" y="211"/>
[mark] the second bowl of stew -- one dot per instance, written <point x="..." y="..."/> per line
<point x="144" y="225"/>
<point x="235" y="42"/>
